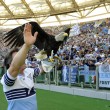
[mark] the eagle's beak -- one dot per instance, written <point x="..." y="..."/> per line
<point x="65" y="34"/>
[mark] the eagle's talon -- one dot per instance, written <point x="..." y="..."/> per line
<point x="51" y="60"/>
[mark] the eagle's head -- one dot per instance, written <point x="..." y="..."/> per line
<point x="61" y="36"/>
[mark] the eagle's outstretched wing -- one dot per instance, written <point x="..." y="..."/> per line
<point x="14" y="38"/>
<point x="45" y="41"/>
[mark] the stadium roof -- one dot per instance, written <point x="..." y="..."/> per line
<point x="51" y="12"/>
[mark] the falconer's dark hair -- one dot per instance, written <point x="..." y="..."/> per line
<point x="8" y="57"/>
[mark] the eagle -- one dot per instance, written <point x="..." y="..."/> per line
<point x="45" y="42"/>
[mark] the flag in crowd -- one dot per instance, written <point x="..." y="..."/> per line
<point x="75" y="30"/>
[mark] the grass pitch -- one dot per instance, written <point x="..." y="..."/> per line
<point x="48" y="100"/>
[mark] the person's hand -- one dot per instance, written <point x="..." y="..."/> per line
<point x="28" y="38"/>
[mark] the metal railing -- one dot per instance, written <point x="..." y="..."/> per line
<point x="55" y="77"/>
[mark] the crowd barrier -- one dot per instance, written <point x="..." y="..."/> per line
<point x="95" y="77"/>
<point x="81" y="76"/>
<point x="84" y="76"/>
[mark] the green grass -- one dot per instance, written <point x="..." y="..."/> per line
<point x="48" y="100"/>
<point x="3" y="102"/>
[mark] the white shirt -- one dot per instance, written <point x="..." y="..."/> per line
<point x="19" y="91"/>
